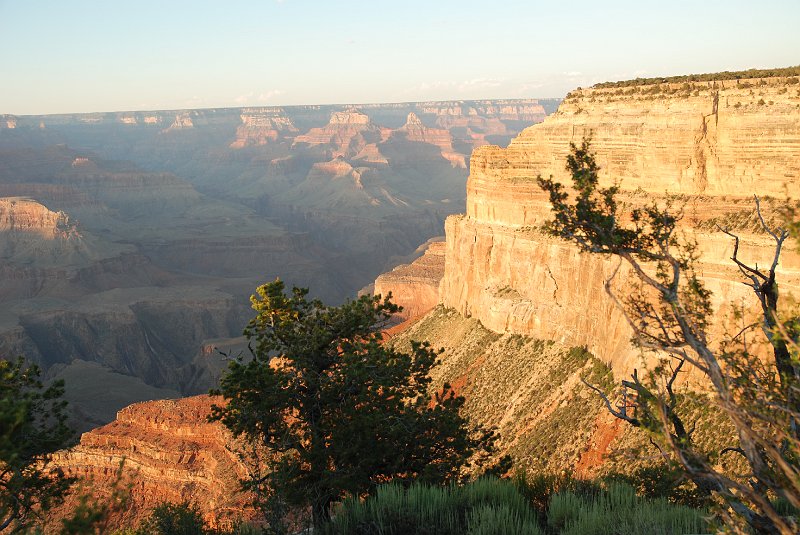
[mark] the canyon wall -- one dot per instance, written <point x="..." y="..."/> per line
<point x="706" y="146"/>
<point x="709" y="145"/>
<point x="415" y="286"/>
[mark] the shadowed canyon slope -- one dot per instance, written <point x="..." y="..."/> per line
<point x="133" y="240"/>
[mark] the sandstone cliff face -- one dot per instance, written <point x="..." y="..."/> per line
<point x="415" y="286"/>
<point x="169" y="453"/>
<point x="713" y="143"/>
<point x="25" y="216"/>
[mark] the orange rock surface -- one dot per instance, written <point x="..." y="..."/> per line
<point x="170" y="453"/>
<point x="713" y="145"/>
<point x="415" y="286"/>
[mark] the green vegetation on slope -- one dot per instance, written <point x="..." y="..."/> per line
<point x="530" y="390"/>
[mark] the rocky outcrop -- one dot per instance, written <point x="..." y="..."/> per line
<point x="477" y="120"/>
<point x="347" y="133"/>
<point x="183" y="121"/>
<point x="417" y="132"/>
<point x="261" y="126"/>
<point x="169" y="452"/>
<point x="712" y="144"/>
<point x="19" y="215"/>
<point x="415" y="286"/>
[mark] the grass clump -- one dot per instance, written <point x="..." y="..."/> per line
<point x="617" y="510"/>
<point x="488" y="506"/>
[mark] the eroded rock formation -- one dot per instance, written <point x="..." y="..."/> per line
<point x="415" y="131"/>
<point x="169" y="452"/>
<point x="347" y="133"/>
<point x="261" y="126"/>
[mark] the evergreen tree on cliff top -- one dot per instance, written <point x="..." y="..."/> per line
<point x="669" y="311"/>
<point x="334" y="411"/>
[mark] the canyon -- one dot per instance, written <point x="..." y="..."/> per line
<point x="130" y="242"/>
<point x="520" y="315"/>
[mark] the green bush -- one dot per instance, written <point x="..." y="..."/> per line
<point x="174" y="519"/>
<point x="619" y="511"/>
<point x="487" y="506"/>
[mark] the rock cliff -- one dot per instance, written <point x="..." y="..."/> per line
<point x="415" y="131"/>
<point x="711" y="145"/>
<point x="261" y="126"/>
<point x="169" y="453"/>
<point x="347" y="133"/>
<point x="415" y="286"/>
<point x="22" y="216"/>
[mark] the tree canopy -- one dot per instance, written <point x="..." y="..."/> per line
<point x="332" y="409"/>
<point x="32" y="426"/>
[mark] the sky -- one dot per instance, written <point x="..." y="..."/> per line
<point x="67" y="56"/>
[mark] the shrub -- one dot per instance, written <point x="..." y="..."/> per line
<point x="174" y="519"/>
<point x="487" y="506"/>
<point x="619" y="511"/>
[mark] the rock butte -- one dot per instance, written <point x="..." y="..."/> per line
<point x="261" y="126"/>
<point x="414" y="130"/>
<point x="170" y="452"/>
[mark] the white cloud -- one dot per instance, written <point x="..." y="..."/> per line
<point x="244" y="99"/>
<point x="269" y="95"/>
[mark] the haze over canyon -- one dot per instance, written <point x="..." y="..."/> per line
<point x="132" y="241"/>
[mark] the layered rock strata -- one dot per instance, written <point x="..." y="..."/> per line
<point x="415" y="286"/>
<point x="713" y="145"/>
<point x="347" y="132"/>
<point x="169" y="452"/>
<point x="262" y="126"/>
<point x="415" y="131"/>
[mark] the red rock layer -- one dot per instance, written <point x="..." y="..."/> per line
<point x="170" y="453"/>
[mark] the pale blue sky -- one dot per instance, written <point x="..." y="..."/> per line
<point x="105" y="55"/>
